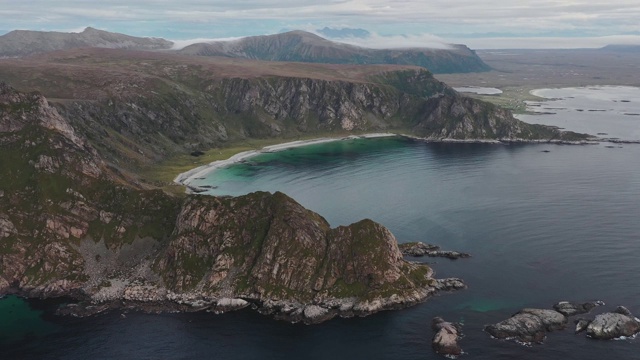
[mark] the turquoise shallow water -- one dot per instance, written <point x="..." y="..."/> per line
<point x="19" y="321"/>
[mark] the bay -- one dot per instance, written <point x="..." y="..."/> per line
<point x="544" y="223"/>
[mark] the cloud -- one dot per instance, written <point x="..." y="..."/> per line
<point x="224" y="18"/>
<point x="180" y="44"/>
<point x="376" y="41"/>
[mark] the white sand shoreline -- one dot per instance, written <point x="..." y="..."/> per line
<point x="186" y="178"/>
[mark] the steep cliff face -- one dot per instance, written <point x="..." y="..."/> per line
<point x="461" y="118"/>
<point x="56" y="191"/>
<point x="70" y="224"/>
<point x="277" y="250"/>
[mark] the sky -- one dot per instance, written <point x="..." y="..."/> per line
<point x="488" y="24"/>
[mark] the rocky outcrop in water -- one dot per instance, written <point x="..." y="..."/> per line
<point x="419" y="249"/>
<point x="567" y="308"/>
<point x="612" y="325"/>
<point x="445" y="339"/>
<point x="531" y="325"/>
<point x="528" y="325"/>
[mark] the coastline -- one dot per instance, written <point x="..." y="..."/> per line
<point x="187" y="177"/>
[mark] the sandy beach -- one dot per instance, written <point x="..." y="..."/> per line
<point x="186" y="178"/>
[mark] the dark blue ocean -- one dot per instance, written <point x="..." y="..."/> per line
<point x="541" y="226"/>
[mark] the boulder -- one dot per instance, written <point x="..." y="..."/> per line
<point x="445" y="339"/>
<point x="314" y="314"/>
<point x="528" y="325"/>
<point x="623" y="310"/>
<point x="228" y="304"/>
<point x="614" y="325"/>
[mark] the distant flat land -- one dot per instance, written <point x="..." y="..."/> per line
<point x="516" y="72"/>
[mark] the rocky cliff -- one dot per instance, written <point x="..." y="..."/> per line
<point x="174" y="104"/>
<point x="73" y="225"/>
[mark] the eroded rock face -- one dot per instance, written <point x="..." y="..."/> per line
<point x="445" y="339"/>
<point x="271" y="251"/>
<point x="528" y="325"/>
<point x="620" y="323"/>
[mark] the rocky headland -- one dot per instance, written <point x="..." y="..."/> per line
<point x="71" y="224"/>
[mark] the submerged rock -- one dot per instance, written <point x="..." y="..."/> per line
<point x="614" y="325"/>
<point x="445" y="339"/>
<point x="528" y="325"/>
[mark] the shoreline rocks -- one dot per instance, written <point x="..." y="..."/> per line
<point x="419" y="249"/>
<point x="150" y="299"/>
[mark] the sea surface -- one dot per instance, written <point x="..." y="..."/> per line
<point x="606" y="111"/>
<point x="543" y="223"/>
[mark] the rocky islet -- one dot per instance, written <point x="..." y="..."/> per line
<point x="532" y="325"/>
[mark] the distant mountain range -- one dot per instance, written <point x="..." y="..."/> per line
<point x="25" y="42"/>
<point x="296" y="46"/>
<point x="303" y="46"/>
<point x="622" y="48"/>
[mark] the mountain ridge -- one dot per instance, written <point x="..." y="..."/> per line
<point x="296" y="45"/>
<point x="302" y="46"/>
<point x="26" y="42"/>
